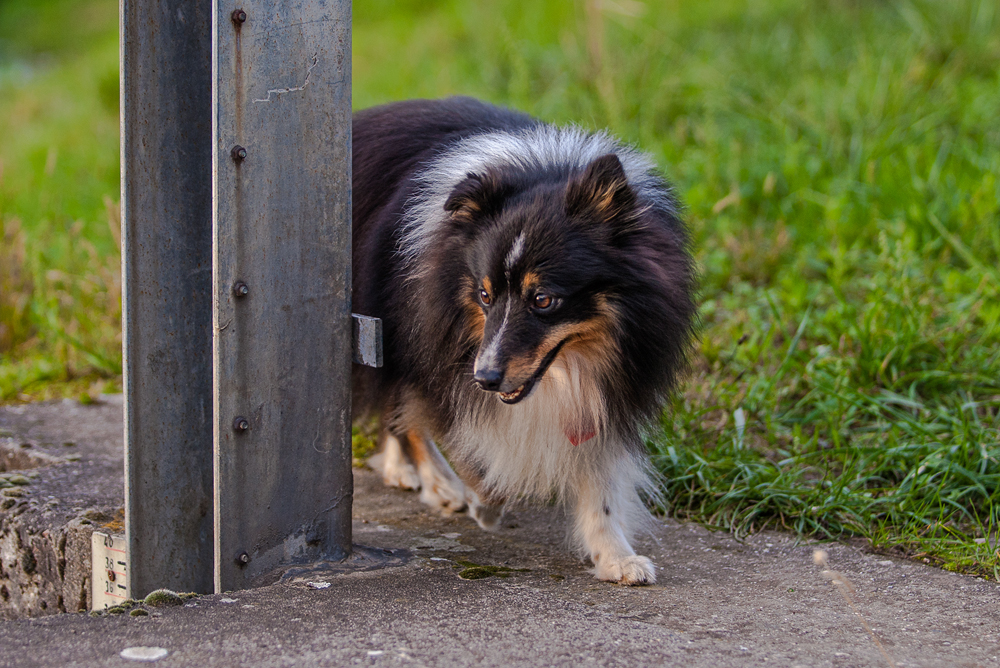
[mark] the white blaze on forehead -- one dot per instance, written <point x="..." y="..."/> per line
<point x="516" y="250"/>
<point x="487" y="358"/>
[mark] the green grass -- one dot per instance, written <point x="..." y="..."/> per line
<point x="59" y="279"/>
<point x="839" y="160"/>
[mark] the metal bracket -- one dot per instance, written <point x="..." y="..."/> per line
<point x="367" y="340"/>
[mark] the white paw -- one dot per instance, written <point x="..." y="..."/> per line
<point x="488" y="517"/>
<point x="395" y="470"/>
<point x="442" y="492"/>
<point x="630" y="570"/>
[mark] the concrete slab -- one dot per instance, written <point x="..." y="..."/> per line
<point x="718" y="602"/>
<point x="71" y="458"/>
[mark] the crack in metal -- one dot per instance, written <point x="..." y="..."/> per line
<point x="280" y="91"/>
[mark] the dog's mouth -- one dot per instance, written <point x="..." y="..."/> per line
<point x="511" y="398"/>
<point x="519" y="393"/>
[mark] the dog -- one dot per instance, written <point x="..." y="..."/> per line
<point x="536" y="291"/>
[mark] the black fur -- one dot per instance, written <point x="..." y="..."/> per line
<point x="633" y="251"/>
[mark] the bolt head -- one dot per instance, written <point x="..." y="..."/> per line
<point x="239" y="16"/>
<point x="238" y="153"/>
<point x="241" y="289"/>
<point x="241" y="424"/>
<point x="243" y="558"/>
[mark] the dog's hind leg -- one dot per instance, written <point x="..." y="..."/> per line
<point x="607" y="506"/>
<point x="394" y="465"/>
<point x="440" y="488"/>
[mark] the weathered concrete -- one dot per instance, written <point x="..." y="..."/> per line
<point x="72" y="458"/>
<point x="719" y="602"/>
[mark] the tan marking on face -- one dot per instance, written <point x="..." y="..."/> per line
<point x="474" y="316"/>
<point x="596" y="345"/>
<point x="596" y="340"/>
<point x="591" y="338"/>
<point x="488" y="286"/>
<point x="530" y="281"/>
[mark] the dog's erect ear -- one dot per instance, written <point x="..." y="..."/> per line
<point x="602" y="190"/>
<point x="477" y="195"/>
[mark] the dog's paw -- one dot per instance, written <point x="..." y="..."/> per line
<point x="396" y="471"/>
<point x="443" y="493"/>
<point x="487" y="517"/>
<point x="630" y="570"/>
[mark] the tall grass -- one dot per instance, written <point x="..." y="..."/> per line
<point x="60" y="328"/>
<point x="839" y="161"/>
<point x="59" y="283"/>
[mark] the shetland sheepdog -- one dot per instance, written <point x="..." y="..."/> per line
<point x="537" y="298"/>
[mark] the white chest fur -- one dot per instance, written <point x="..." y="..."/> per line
<point x="526" y="449"/>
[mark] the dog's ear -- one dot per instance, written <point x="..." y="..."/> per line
<point x="601" y="190"/>
<point x="476" y="195"/>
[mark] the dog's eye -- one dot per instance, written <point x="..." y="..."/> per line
<point x="484" y="297"/>
<point x="542" y="301"/>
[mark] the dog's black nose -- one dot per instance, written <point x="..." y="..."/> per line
<point x="488" y="379"/>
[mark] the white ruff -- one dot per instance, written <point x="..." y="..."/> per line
<point x="539" y="147"/>
<point x="524" y="450"/>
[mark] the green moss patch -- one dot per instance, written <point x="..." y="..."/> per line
<point x="162" y="598"/>
<point x="473" y="571"/>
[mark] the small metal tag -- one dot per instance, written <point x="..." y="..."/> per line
<point x="109" y="573"/>
<point x="367" y="340"/>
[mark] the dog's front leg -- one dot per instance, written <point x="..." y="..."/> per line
<point x="605" y="511"/>
<point x="440" y="488"/>
<point x="484" y="505"/>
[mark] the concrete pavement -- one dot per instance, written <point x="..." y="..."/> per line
<point x="718" y="602"/>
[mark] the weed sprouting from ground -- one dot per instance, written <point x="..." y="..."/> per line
<point x="839" y="163"/>
<point x="846" y="589"/>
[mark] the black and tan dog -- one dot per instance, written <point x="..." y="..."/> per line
<point x="536" y="292"/>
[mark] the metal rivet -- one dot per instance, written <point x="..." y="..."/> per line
<point x="241" y="289"/>
<point x="239" y="154"/>
<point x="241" y="424"/>
<point x="243" y="558"/>
<point x="239" y="16"/>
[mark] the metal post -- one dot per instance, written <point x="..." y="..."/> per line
<point x="282" y="276"/>
<point x="166" y="162"/>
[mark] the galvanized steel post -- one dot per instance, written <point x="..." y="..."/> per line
<point x="236" y="131"/>
<point x="166" y="158"/>
<point x="281" y="109"/>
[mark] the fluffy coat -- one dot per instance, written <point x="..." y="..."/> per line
<point x="536" y="292"/>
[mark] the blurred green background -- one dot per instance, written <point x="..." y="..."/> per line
<point x="839" y="160"/>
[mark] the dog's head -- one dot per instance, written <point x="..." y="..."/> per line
<point x="539" y="268"/>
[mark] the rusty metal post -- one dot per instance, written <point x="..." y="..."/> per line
<point x="281" y="109"/>
<point x="166" y="158"/>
